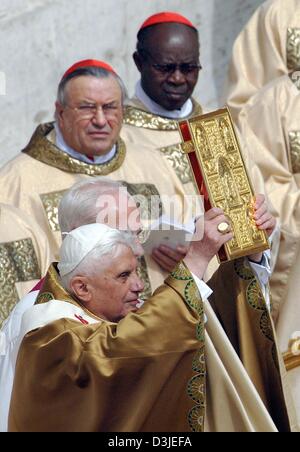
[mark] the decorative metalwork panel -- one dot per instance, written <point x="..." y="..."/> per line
<point x="224" y="174"/>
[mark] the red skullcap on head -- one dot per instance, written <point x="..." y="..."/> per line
<point x="88" y="63"/>
<point x="166" y="17"/>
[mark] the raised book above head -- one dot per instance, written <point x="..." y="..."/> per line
<point x="220" y="174"/>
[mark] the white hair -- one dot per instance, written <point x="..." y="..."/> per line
<point x="92" y="263"/>
<point x="79" y="204"/>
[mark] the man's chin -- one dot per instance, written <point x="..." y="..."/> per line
<point x="174" y="104"/>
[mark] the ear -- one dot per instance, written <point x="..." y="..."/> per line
<point x="138" y="61"/>
<point x="81" y="289"/>
<point x="59" y="112"/>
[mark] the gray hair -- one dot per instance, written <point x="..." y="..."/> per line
<point x="78" y="206"/>
<point x="97" y="72"/>
<point x="92" y="263"/>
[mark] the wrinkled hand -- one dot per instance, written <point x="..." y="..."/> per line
<point x="264" y="221"/>
<point x="201" y="252"/>
<point x="167" y="258"/>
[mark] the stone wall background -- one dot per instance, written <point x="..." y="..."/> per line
<point x="39" y="39"/>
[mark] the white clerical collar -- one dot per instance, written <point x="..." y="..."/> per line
<point x="156" y="109"/>
<point x="98" y="160"/>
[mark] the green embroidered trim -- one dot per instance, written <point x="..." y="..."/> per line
<point x="256" y="300"/>
<point x="255" y="297"/>
<point x="181" y="273"/>
<point x="242" y="271"/>
<point x="191" y="294"/>
<point x="44" y="298"/>
<point x="199" y="362"/>
<point x="196" y="418"/>
<point x="196" y="389"/>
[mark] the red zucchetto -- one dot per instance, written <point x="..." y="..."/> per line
<point x="88" y="63"/>
<point x="166" y="17"/>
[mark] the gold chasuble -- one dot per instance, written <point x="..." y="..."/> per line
<point x="36" y="180"/>
<point x="162" y="369"/>
<point x="24" y="257"/>
<point x="270" y="124"/>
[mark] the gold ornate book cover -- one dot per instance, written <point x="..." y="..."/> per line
<point x="220" y="174"/>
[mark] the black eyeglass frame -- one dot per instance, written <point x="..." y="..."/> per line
<point x="170" y="68"/>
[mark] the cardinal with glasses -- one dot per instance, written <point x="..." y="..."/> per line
<point x="84" y="142"/>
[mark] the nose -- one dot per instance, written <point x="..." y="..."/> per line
<point x="99" y="117"/>
<point x="137" y="284"/>
<point x="177" y="77"/>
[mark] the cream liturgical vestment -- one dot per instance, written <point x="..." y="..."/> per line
<point x="36" y="180"/>
<point x="270" y="123"/>
<point x="267" y="48"/>
<point x="24" y="257"/>
<point x="159" y="369"/>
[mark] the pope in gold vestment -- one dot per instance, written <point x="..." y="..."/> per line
<point x="270" y="122"/>
<point x="35" y="181"/>
<point x="267" y="48"/>
<point x="24" y="257"/>
<point x="159" y="369"/>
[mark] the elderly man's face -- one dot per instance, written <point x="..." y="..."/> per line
<point x="115" y="290"/>
<point x="166" y="45"/>
<point x="91" y="120"/>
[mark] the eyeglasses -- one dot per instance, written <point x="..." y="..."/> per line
<point x="170" y="68"/>
<point x="89" y="111"/>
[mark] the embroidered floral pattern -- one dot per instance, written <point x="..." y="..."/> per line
<point x="140" y="118"/>
<point x="196" y="388"/>
<point x="18" y="263"/>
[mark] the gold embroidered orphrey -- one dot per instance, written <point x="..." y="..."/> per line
<point x="139" y="118"/>
<point x="18" y="263"/>
<point x="294" y="139"/>
<point x="223" y="170"/>
<point x="293" y="48"/>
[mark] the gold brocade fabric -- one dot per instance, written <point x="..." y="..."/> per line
<point x="147" y="373"/>
<point x="141" y="118"/>
<point x="18" y="263"/>
<point x="293" y="48"/>
<point x="51" y="202"/>
<point x="295" y="151"/>
<point x="179" y="162"/>
<point x="48" y="153"/>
